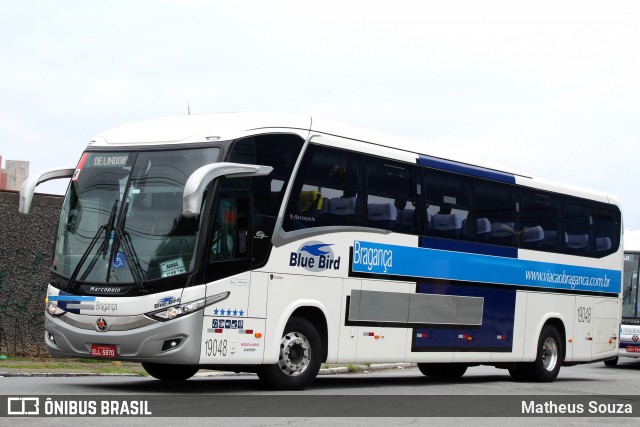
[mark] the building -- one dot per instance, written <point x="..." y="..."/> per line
<point x="14" y="174"/>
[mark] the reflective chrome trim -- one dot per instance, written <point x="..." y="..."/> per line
<point x="115" y="323"/>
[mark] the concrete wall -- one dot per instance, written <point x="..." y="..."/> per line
<point x="26" y="243"/>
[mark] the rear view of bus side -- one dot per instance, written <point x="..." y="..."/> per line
<point x="273" y="244"/>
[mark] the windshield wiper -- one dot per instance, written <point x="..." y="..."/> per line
<point x="107" y="234"/>
<point x="121" y="239"/>
<point x="84" y="257"/>
<point x="103" y="247"/>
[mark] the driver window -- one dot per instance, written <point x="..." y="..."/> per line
<point x="229" y="236"/>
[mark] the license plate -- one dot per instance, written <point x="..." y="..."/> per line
<point x="633" y="349"/>
<point x="103" y="350"/>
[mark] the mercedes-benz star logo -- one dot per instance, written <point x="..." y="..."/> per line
<point x="101" y="324"/>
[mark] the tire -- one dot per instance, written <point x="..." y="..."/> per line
<point x="611" y="362"/>
<point x="443" y="370"/>
<point x="166" y="372"/>
<point x="549" y="357"/>
<point x="299" y="359"/>
<point x="519" y="372"/>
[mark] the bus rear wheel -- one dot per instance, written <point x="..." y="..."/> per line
<point x="611" y="362"/>
<point x="299" y="359"/>
<point x="166" y="372"/>
<point x="442" y="370"/>
<point x="548" y="359"/>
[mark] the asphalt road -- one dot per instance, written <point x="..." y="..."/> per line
<point x="340" y="396"/>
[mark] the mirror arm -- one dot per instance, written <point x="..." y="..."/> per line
<point x="28" y="187"/>
<point x="199" y="180"/>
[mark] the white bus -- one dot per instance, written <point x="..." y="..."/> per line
<point x="630" y="325"/>
<point x="275" y="243"/>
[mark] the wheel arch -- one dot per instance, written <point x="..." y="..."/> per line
<point x="557" y="323"/>
<point x="311" y="310"/>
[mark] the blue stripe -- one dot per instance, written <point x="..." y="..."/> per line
<point x="391" y="260"/>
<point x="469" y="247"/>
<point x="448" y="165"/>
<point x="70" y="298"/>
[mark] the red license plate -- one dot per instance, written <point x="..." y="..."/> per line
<point x="633" y="349"/>
<point x="103" y="350"/>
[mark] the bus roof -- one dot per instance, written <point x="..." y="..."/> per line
<point x="225" y="126"/>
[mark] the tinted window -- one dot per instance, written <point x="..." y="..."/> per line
<point x="606" y="222"/>
<point x="578" y="228"/>
<point x="540" y="220"/>
<point x="392" y="196"/>
<point x="279" y="151"/>
<point x="448" y="199"/>
<point x="327" y="190"/>
<point x="499" y="204"/>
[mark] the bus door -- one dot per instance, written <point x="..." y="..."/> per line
<point x="230" y="244"/>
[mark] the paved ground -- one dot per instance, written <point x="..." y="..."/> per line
<point x="50" y="367"/>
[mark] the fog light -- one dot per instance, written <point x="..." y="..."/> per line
<point x="172" y="344"/>
<point x="52" y="339"/>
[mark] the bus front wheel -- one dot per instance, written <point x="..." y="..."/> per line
<point x="442" y="370"/>
<point x="166" y="372"/>
<point x="299" y="359"/>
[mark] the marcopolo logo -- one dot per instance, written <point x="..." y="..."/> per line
<point x="315" y="256"/>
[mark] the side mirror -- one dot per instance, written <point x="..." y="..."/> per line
<point x="28" y="187"/>
<point x="197" y="183"/>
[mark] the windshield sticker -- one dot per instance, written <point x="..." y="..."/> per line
<point x="119" y="260"/>
<point x="110" y="160"/>
<point x="172" y="268"/>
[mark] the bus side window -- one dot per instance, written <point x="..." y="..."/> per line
<point x="392" y="195"/>
<point x="606" y="224"/>
<point x="327" y="190"/>
<point x="540" y="220"/>
<point x="578" y="229"/>
<point x="449" y="205"/>
<point x="499" y="203"/>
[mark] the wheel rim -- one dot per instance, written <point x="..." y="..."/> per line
<point x="295" y="354"/>
<point x="549" y="354"/>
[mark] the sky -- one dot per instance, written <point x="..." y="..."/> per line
<point x="551" y="88"/>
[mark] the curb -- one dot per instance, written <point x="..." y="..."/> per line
<point x="324" y="371"/>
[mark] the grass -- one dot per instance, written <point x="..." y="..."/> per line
<point x="84" y="365"/>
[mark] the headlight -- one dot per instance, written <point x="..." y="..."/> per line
<point x="184" y="309"/>
<point x="54" y="310"/>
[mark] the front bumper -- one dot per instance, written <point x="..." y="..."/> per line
<point x="142" y="344"/>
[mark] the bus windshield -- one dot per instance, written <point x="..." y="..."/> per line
<point x="630" y="286"/>
<point x="122" y="222"/>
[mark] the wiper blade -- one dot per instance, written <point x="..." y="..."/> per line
<point x="103" y="247"/>
<point x="84" y="257"/>
<point x="109" y="230"/>
<point x="132" y="258"/>
<point x="122" y="239"/>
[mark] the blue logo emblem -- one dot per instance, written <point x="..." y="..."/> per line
<point x="316" y="250"/>
<point x="315" y="256"/>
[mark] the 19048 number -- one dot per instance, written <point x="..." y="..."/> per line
<point x="216" y="347"/>
<point x="584" y="314"/>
